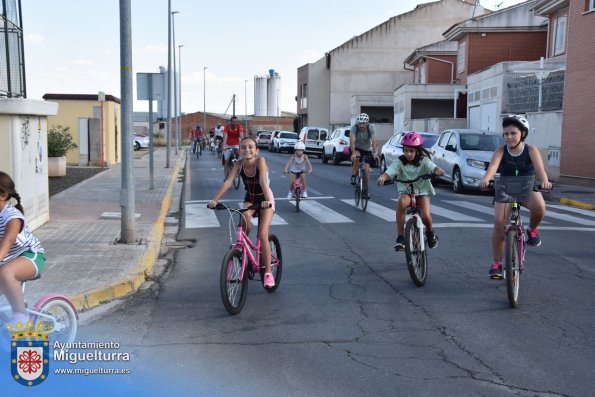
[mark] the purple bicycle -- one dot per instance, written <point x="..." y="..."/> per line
<point x="240" y="264"/>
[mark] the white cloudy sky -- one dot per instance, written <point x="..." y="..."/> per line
<point x="73" y="46"/>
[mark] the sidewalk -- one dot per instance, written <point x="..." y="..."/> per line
<point x="83" y="260"/>
<point x="576" y="196"/>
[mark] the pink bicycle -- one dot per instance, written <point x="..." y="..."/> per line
<point x="240" y="264"/>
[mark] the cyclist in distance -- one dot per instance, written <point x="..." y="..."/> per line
<point x="255" y="174"/>
<point x="296" y="163"/>
<point x="516" y="158"/>
<point x="232" y="133"/>
<point x="195" y="136"/>
<point x="362" y="141"/>
<point x="415" y="161"/>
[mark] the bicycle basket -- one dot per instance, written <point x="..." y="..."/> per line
<point x="510" y="189"/>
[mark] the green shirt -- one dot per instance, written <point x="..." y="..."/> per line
<point x="410" y="171"/>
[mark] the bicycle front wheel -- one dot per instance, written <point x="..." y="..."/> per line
<point x="298" y="196"/>
<point x="513" y="264"/>
<point x="62" y="316"/>
<point x="364" y="194"/>
<point x="233" y="284"/>
<point x="416" y="258"/>
<point x="358" y="190"/>
<point x="276" y="262"/>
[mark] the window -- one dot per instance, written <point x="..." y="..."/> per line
<point x="461" y="57"/>
<point x="591" y="5"/>
<point x="560" y="36"/>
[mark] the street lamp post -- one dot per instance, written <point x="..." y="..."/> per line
<point x="173" y="28"/>
<point x="180" y="94"/>
<point x="277" y="109"/>
<point x="168" y="124"/>
<point x="204" y="98"/>
<point x="246" y="107"/>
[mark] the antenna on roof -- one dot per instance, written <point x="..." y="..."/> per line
<point x="475" y="8"/>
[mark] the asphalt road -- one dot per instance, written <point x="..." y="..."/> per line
<point x="347" y="320"/>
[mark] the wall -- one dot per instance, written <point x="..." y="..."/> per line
<point x="318" y="94"/>
<point x="441" y="72"/>
<point x="577" y="160"/>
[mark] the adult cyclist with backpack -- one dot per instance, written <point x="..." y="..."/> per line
<point x="362" y="142"/>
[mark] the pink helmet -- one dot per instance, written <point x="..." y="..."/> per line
<point x="412" y="139"/>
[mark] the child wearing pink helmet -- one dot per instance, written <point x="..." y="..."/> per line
<point x="414" y="162"/>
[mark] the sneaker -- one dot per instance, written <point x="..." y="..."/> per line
<point x="289" y="195"/>
<point x="496" y="271"/>
<point x="400" y="244"/>
<point x="432" y="239"/>
<point x="19" y="317"/>
<point x="304" y="194"/>
<point x="269" y="280"/>
<point x="353" y="180"/>
<point x="533" y="237"/>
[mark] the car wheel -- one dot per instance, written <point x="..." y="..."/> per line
<point x="324" y="158"/>
<point x="136" y="146"/>
<point x="383" y="165"/>
<point x="336" y="159"/>
<point x="457" y="181"/>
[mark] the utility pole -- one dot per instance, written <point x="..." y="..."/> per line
<point x="128" y="228"/>
<point x="168" y="124"/>
<point x="246" y="107"/>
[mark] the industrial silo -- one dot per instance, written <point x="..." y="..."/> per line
<point x="260" y="95"/>
<point x="273" y="93"/>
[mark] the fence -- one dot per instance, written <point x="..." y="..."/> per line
<point x="12" y="57"/>
<point x="534" y="86"/>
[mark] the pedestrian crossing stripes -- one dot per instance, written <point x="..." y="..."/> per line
<point x="329" y="210"/>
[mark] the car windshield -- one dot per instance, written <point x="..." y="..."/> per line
<point x="264" y="136"/>
<point x="288" y="135"/>
<point x="481" y="142"/>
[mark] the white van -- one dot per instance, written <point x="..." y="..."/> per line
<point x="313" y="138"/>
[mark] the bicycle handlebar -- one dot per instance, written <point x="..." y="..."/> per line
<point x="537" y="185"/>
<point x="221" y="206"/>
<point x="426" y="176"/>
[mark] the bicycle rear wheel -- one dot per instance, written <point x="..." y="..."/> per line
<point x="233" y="284"/>
<point x="62" y="316"/>
<point x="416" y="258"/>
<point x="277" y="262"/>
<point x="236" y="180"/>
<point x="357" y="190"/>
<point x="513" y="263"/>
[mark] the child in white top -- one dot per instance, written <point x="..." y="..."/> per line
<point x="297" y="163"/>
<point x="21" y="255"/>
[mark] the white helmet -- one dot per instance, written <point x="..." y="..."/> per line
<point x="299" y="146"/>
<point x="363" y="118"/>
<point x="519" y="121"/>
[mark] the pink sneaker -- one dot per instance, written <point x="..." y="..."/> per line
<point x="269" y="280"/>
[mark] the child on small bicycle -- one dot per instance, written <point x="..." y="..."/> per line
<point x="21" y="255"/>
<point x="414" y="162"/>
<point x="516" y="158"/>
<point x="255" y="174"/>
<point x="297" y="163"/>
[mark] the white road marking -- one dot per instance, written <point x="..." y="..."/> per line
<point x="197" y="215"/>
<point x="455" y="216"/>
<point x="581" y="211"/>
<point x="321" y="213"/>
<point x="378" y="210"/>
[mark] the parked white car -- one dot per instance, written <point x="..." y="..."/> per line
<point x="284" y="141"/>
<point x="333" y="147"/>
<point x="393" y="149"/>
<point x="140" y="141"/>
<point x="313" y="138"/>
<point x="464" y="155"/>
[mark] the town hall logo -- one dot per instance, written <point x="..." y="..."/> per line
<point x="29" y="352"/>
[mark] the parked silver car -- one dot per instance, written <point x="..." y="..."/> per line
<point x="393" y="149"/>
<point x="333" y="147"/>
<point x="263" y="138"/>
<point x="464" y="155"/>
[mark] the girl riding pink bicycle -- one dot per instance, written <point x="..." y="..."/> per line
<point x="255" y="174"/>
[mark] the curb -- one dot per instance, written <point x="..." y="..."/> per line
<point x="576" y="203"/>
<point x="133" y="280"/>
